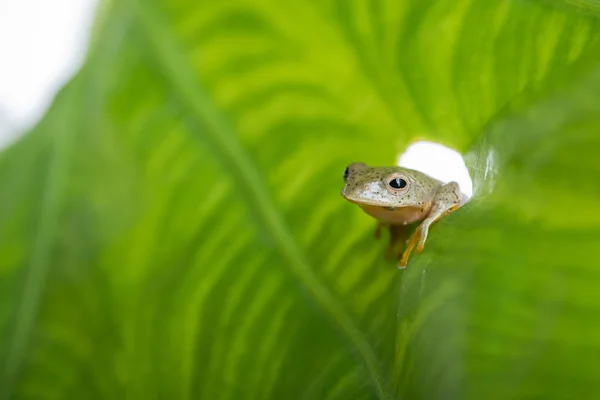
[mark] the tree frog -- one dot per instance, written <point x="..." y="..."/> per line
<point x="398" y="197"/>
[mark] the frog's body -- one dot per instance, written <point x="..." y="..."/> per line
<point x="398" y="197"/>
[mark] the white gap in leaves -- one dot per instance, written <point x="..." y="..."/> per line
<point x="42" y="45"/>
<point x="438" y="161"/>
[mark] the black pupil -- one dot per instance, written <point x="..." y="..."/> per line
<point x="346" y="173"/>
<point x="398" y="183"/>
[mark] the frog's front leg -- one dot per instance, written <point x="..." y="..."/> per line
<point x="398" y="235"/>
<point x="378" y="229"/>
<point x="447" y="199"/>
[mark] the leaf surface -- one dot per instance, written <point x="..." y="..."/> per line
<point x="173" y="227"/>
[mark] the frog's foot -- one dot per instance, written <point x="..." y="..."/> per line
<point x="416" y="242"/>
<point x="400" y="249"/>
<point x="425" y="228"/>
<point x="398" y="235"/>
<point x="412" y="243"/>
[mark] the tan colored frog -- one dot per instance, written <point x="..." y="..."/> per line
<point x="398" y="197"/>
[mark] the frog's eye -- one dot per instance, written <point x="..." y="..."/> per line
<point x="398" y="183"/>
<point x="346" y="173"/>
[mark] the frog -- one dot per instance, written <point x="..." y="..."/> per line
<point x="399" y="199"/>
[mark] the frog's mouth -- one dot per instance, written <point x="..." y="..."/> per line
<point x="361" y="201"/>
<point x="344" y="195"/>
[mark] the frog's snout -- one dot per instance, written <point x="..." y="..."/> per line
<point x="343" y="192"/>
<point x="346" y="193"/>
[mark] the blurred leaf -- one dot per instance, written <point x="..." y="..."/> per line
<point x="173" y="228"/>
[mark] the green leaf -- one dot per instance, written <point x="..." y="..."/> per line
<point x="173" y="227"/>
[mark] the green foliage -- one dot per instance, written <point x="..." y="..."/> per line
<point x="173" y="228"/>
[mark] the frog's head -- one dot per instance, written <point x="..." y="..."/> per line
<point x="381" y="186"/>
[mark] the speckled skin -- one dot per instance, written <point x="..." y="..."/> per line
<point x="422" y="198"/>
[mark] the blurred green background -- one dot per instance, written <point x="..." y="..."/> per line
<point x="173" y="229"/>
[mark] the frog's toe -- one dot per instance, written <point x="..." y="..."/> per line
<point x="420" y="246"/>
<point x="423" y="232"/>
